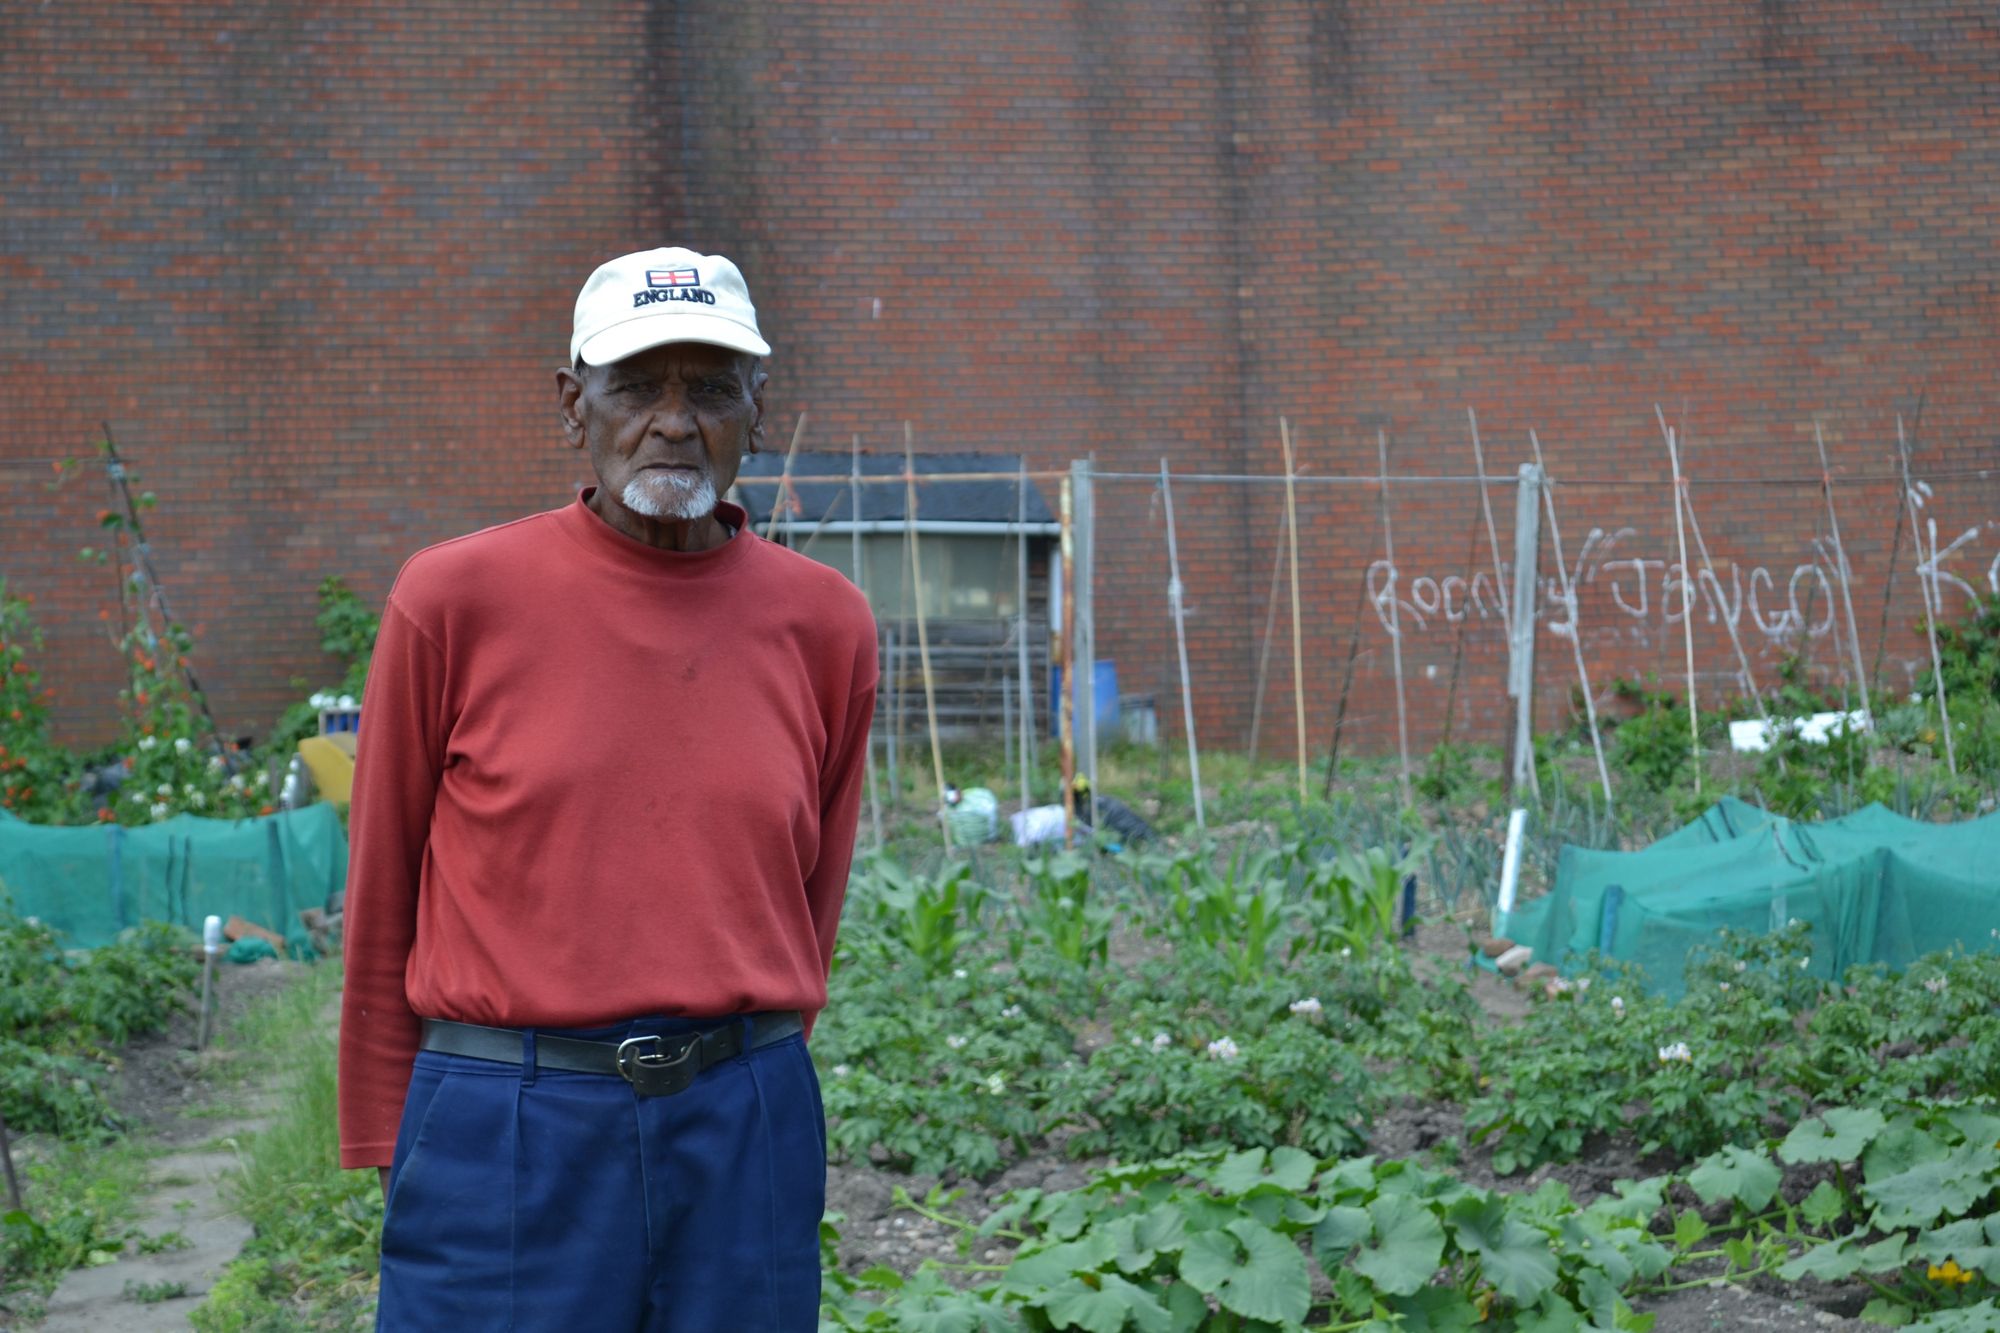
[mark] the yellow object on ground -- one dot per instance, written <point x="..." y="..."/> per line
<point x="330" y="760"/>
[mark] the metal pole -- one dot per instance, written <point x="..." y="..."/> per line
<point x="1084" y="682"/>
<point x="1521" y="625"/>
<point x="7" y="1162"/>
<point x="1174" y="600"/>
<point x="1066" y="695"/>
<point x="1027" y="689"/>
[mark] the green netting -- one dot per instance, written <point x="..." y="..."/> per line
<point x="89" y="883"/>
<point x="1873" y="887"/>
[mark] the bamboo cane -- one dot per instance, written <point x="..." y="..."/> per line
<point x="1270" y="625"/>
<point x="923" y="635"/>
<point x="861" y="582"/>
<point x="1298" y="664"/>
<point x="1174" y="599"/>
<point x="1575" y="626"/>
<point x="1687" y="599"/>
<point x="1492" y="537"/>
<point x="1840" y="565"/>
<point x="1346" y="683"/>
<point x="785" y="481"/>
<point x="1927" y="584"/>
<point x="1736" y="640"/>
<point x="1395" y="619"/>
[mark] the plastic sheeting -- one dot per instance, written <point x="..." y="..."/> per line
<point x="1873" y="886"/>
<point x="91" y="882"/>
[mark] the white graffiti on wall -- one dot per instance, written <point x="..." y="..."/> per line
<point x="1779" y="601"/>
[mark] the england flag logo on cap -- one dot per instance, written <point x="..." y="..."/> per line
<point x="673" y="277"/>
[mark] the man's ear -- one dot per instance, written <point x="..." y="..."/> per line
<point x="569" y="390"/>
<point x="757" y="382"/>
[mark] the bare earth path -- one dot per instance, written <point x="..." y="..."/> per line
<point x="176" y="1104"/>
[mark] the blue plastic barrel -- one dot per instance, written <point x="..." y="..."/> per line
<point x="1104" y="679"/>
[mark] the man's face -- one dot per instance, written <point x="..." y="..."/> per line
<point x="665" y="430"/>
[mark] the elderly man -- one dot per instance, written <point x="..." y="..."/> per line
<point x="604" y="806"/>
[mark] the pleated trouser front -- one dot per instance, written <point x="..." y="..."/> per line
<point x="533" y="1199"/>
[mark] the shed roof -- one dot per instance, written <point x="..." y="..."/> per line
<point x="820" y="483"/>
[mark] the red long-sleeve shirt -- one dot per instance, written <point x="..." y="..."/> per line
<point x="596" y="780"/>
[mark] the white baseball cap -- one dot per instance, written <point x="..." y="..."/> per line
<point x="654" y="297"/>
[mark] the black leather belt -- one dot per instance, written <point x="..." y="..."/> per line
<point x="655" y="1066"/>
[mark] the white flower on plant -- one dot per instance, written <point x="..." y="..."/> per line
<point x="1936" y="985"/>
<point x="995" y="1085"/>
<point x="1161" y="1041"/>
<point x="1741" y="965"/>
<point x="164" y="789"/>
<point x="182" y="745"/>
<point x="1618" y="1005"/>
<point x="159" y="809"/>
<point x="215" y="764"/>
<point x="236" y="781"/>
<point x="841" y="1071"/>
<point x="1346" y="952"/>
<point x="189" y="789"/>
<point x="1012" y="1011"/>
<point x="1309" y="1007"/>
<point x="1724" y="985"/>
<point x="1222" y="1048"/>
<point x="136" y="797"/>
<point x="1805" y="962"/>
<point x="198" y="801"/>
<point x="262" y="779"/>
<point x="347" y="701"/>
<point x="1678" y="1051"/>
<point x="148" y="742"/>
<point x="1583" y="983"/>
<point x="959" y="974"/>
<point x="956" y="1042"/>
<point x="320" y="700"/>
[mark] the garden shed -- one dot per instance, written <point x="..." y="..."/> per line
<point x="984" y="539"/>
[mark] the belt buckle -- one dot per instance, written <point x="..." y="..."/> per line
<point x="661" y="1071"/>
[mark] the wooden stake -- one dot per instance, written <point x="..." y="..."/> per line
<point x="1840" y="565"/>
<point x="1270" y="624"/>
<point x="923" y="636"/>
<point x="1298" y="664"/>
<point x="785" y="481"/>
<point x="1575" y="626"/>
<point x="1066" y="704"/>
<point x="1395" y="619"/>
<point x="861" y="582"/>
<point x="1928" y="586"/>
<point x="1687" y="598"/>
<point x="1180" y="638"/>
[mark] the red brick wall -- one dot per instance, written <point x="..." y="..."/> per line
<point x="314" y="266"/>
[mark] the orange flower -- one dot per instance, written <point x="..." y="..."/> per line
<point x="104" y="613"/>
<point x="105" y="816"/>
<point x="103" y="514"/>
<point x="14" y="714"/>
<point x="141" y="696"/>
<point x="264" y="810"/>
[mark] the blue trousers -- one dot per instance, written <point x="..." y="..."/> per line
<point x="536" y="1200"/>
